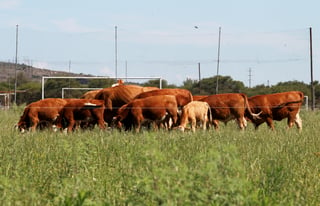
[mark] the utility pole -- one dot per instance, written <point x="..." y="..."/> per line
<point x="69" y="79"/>
<point x="311" y="72"/>
<point x="69" y="66"/>
<point x="250" y="75"/>
<point x="16" y="66"/>
<point x="126" y="71"/>
<point x="218" y="61"/>
<point x="116" y="50"/>
<point x="199" y="78"/>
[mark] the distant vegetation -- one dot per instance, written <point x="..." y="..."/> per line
<point x="29" y="86"/>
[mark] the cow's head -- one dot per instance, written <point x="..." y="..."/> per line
<point x="22" y="126"/>
<point x="60" y="122"/>
<point x="182" y="128"/>
<point x="116" y="122"/>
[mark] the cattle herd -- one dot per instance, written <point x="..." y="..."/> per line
<point x="132" y="107"/>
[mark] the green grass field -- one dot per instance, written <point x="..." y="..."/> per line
<point x="96" y="167"/>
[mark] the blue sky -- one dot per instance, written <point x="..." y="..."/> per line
<point x="159" y="38"/>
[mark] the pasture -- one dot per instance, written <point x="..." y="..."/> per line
<point x="96" y="167"/>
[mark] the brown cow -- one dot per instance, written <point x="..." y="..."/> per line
<point x="90" y="94"/>
<point x="199" y="97"/>
<point x="46" y="110"/>
<point x="277" y="106"/>
<point x="183" y="96"/>
<point x="225" y="107"/>
<point x="153" y="108"/>
<point x="84" y="110"/>
<point x="115" y="97"/>
<point x="195" y="111"/>
<point x="119" y="82"/>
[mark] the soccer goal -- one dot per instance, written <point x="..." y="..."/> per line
<point x="44" y="78"/>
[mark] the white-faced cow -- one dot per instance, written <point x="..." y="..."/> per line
<point x="199" y="97"/>
<point x="225" y="107"/>
<point x="84" y="111"/>
<point x="90" y="94"/>
<point x="46" y="110"/>
<point x="277" y="106"/>
<point x="150" y="109"/>
<point x="195" y="112"/>
<point x="115" y="97"/>
<point x="183" y="96"/>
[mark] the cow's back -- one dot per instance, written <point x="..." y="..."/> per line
<point x="46" y="109"/>
<point x="277" y="106"/>
<point x="222" y="105"/>
<point x="194" y="110"/>
<point x="115" y="97"/>
<point x="199" y="97"/>
<point x="42" y="110"/>
<point x="120" y="95"/>
<point x="268" y="102"/>
<point x="90" y="94"/>
<point x="183" y="96"/>
<point x="157" y="101"/>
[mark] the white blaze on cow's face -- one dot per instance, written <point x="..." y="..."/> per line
<point x="54" y="128"/>
<point x="181" y="128"/>
<point x="65" y="131"/>
<point x="116" y="122"/>
<point x="21" y="127"/>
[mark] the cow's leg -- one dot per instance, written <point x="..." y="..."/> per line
<point x="71" y="124"/>
<point x="256" y="125"/>
<point x="298" y="121"/>
<point x="240" y="122"/>
<point x="34" y="123"/>
<point x="215" y="124"/>
<point x="245" y="122"/>
<point x="270" y="123"/>
<point x="295" y="120"/>
<point x="174" y="118"/>
<point x="69" y="117"/>
<point x="204" y="122"/>
<point x="101" y="123"/>
<point x="137" y="124"/>
<point x="138" y="127"/>
<point x="98" y="118"/>
<point x="193" y="124"/>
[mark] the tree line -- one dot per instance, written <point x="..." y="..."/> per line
<point x="29" y="91"/>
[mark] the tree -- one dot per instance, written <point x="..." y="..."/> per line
<point x="29" y="92"/>
<point x="208" y="85"/>
<point x="189" y="84"/>
<point x="156" y="83"/>
<point x="100" y="83"/>
<point x="53" y="87"/>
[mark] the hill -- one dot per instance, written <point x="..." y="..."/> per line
<point x="7" y="71"/>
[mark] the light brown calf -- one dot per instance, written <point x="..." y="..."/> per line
<point x="195" y="111"/>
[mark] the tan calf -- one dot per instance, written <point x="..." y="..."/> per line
<point x="195" y="111"/>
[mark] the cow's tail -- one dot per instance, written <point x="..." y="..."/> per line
<point x="247" y="106"/>
<point x="286" y="103"/>
<point x="209" y="113"/>
<point x="191" y="96"/>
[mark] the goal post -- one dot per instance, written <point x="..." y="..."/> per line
<point x="44" y="78"/>
<point x="76" y="88"/>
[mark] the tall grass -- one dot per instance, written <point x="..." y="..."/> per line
<point x="228" y="167"/>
